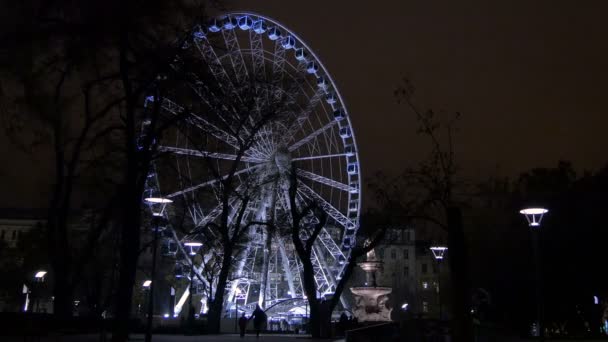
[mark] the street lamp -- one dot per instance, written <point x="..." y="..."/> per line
<point x="157" y="206"/>
<point x="534" y="217"/>
<point x="194" y="247"/>
<point x="39" y="276"/>
<point x="439" y="253"/>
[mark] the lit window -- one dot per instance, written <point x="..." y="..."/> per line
<point x="424" y="268"/>
<point x="393" y="254"/>
<point x="425" y="307"/>
<point x="406" y="254"/>
<point x="425" y="285"/>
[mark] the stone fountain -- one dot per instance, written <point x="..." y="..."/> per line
<point x="371" y="299"/>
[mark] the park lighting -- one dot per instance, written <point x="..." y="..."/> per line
<point x="404" y="306"/>
<point x="157" y="204"/>
<point x="194" y="246"/>
<point x="40" y="275"/>
<point x="534" y="215"/>
<point x="438" y="252"/>
<point x="147" y="283"/>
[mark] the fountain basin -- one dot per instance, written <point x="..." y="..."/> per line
<point x="371" y="292"/>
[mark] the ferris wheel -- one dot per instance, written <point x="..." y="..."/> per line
<point x="313" y="133"/>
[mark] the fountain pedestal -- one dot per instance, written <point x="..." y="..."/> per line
<point x="371" y="299"/>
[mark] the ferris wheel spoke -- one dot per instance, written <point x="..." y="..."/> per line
<point x="328" y="207"/>
<point x="257" y="55"/>
<point x="201" y="123"/>
<point x="278" y="63"/>
<point x="235" y="54"/>
<point x="303" y="115"/>
<point x="335" y="155"/>
<point x="211" y="182"/>
<point x="323" y="180"/>
<point x="206" y="154"/>
<point x="312" y="136"/>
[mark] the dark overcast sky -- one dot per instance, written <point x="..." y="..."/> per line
<point x="530" y="77"/>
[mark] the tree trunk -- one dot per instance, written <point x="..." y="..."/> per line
<point x="461" y="318"/>
<point x="310" y="288"/>
<point x="129" y="251"/>
<point x="217" y="304"/>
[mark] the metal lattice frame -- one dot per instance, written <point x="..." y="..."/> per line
<point x="240" y="49"/>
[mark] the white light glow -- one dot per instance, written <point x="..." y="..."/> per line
<point x="166" y="315"/>
<point x="596" y="300"/>
<point x="404" y="306"/>
<point x="533" y="211"/>
<point x="40" y="274"/>
<point x="147" y="283"/>
<point x="438" y="251"/>
<point x="193" y="244"/>
<point x="157" y="200"/>
<point x="534" y="215"/>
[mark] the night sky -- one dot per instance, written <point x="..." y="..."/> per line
<point x="529" y="77"/>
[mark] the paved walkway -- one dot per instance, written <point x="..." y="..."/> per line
<point x="181" y="338"/>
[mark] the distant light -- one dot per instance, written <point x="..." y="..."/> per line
<point x="166" y="315"/>
<point x="40" y="274"/>
<point x="596" y="300"/>
<point x="147" y="283"/>
<point x="193" y="244"/>
<point x="533" y="211"/>
<point x="534" y="215"/>
<point x="404" y="306"/>
<point x="158" y="200"/>
<point x="438" y="251"/>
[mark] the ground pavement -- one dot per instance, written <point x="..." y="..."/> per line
<point x="179" y="338"/>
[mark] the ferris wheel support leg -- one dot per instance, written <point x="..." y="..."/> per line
<point x="266" y="263"/>
<point x="288" y="274"/>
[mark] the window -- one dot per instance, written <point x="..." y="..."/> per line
<point x="14" y="235"/>
<point x="406" y="271"/>
<point x="381" y="253"/>
<point x="393" y="254"/>
<point x="424" y="268"/>
<point x="425" y="307"/>
<point x="425" y="285"/>
<point x="406" y="254"/>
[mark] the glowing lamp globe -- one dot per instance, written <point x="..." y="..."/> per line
<point x="438" y="251"/>
<point x="147" y="283"/>
<point x="157" y="204"/>
<point x="193" y="245"/>
<point x="534" y="215"/>
<point x="40" y="274"/>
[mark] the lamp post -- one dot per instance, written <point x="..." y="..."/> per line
<point x="157" y="206"/>
<point x="194" y="246"/>
<point x="38" y="278"/>
<point x="534" y="217"/>
<point x="439" y="253"/>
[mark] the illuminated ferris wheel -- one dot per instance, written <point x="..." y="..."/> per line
<point x="314" y="134"/>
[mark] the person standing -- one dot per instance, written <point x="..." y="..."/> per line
<point x="259" y="320"/>
<point x="243" y="324"/>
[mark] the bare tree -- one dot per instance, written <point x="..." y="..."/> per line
<point x="428" y="192"/>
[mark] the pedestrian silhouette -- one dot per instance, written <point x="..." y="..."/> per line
<point x="243" y="324"/>
<point x="259" y="320"/>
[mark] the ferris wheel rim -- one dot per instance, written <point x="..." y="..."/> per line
<point x="342" y="105"/>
